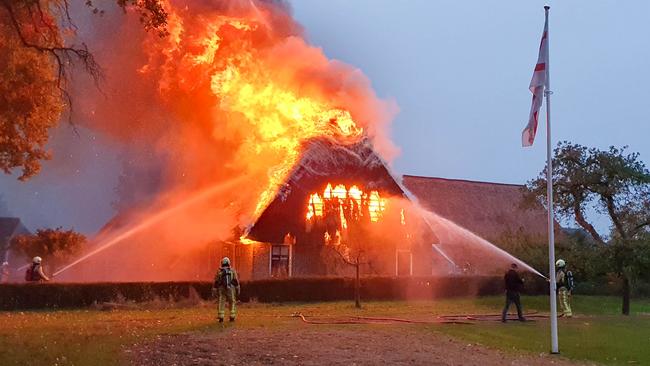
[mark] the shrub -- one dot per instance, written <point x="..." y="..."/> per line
<point x="71" y="295"/>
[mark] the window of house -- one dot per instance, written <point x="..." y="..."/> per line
<point x="280" y="255"/>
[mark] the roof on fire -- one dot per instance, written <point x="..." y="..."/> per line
<point x="487" y="209"/>
<point x="322" y="160"/>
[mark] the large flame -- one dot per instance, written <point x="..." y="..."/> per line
<point x="346" y="203"/>
<point x="261" y="85"/>
<point x="234" y="90"/>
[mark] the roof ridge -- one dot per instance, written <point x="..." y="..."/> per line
<point x="462" y="180"/>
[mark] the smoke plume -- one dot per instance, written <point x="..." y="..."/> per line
<point x="232" y="92"/>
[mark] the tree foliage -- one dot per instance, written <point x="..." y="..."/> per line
<point x="616" y="184"/>
<point x="30" y="98"/>
<point x="584" y="255"/>
<point x="55" y="246"/>
<point x="37" y="54"/>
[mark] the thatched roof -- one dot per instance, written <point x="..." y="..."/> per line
<point x="490" y="210"/>
<point x="322" y="161"/>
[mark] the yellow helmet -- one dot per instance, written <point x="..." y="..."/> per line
<point x="560" y="263"/>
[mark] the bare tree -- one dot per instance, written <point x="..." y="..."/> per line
<point x="355" y="257"/>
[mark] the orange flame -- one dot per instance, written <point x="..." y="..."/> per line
<point x="252" y="87"/>
<point x="315" y="207"/>
<point x="376" y="206"/>
<point x="234" y="89"/>
<point x="349" y="203"/>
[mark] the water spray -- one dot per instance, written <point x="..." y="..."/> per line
<point x="444" y="255"/>
<point x="200" y="196"/>
<point x="450" y="225"/>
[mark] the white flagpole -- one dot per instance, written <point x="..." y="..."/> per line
<point x="549" y="195"/>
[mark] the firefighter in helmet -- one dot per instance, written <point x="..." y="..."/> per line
<point x="226" y="287"/>
<point x="564" y="286"/>
<point x="35" y="271"/>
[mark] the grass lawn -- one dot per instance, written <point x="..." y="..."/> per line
<point x="598" y="333"/>
<point x="85" y="337"/>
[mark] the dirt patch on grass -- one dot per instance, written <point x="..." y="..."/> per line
<point x="323" y="345"/>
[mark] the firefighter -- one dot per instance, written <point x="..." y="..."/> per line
<point x="35" y="271"/>
<point x="226" y="286"/>
<point x="564" y="286"/>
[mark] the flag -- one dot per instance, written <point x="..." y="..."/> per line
<point x="537" y="85"/>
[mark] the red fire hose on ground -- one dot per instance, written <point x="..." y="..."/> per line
<point x="440" y="319"/>
<point x="531" y="316"/>
<point x="372" y="320"/>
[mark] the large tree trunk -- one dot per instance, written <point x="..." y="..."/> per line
<point x="357" y="288"/>
<point x="626" y="296"/>
<point x="580" y="219"/>
<point x="611" y="209"/>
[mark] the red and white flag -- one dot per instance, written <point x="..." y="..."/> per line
<point x="537" y="85"/>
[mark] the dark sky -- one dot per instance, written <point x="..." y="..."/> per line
<point x="459" y="71"/>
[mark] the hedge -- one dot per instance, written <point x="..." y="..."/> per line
<point x="74" y="295"/>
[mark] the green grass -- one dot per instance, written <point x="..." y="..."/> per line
<point x="597" y="333"/>
<point x="92" y="337"/>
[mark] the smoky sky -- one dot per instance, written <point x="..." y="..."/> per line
<point x="459" y="72"/>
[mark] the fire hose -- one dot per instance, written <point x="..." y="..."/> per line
<point x="490" y="317"/>
<point x="375" y="320"/>
<point x="440" y="319"/>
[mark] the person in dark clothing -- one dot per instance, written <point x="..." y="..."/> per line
<point x="514" y="284"/>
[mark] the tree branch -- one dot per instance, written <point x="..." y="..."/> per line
<point x="358" y="261"/>
<point x="61" y="55"/>
<point x="580" y="219"/>
<point x="611" y="210"/>
<point x="347" y="261"/>
<point x="640" y="226"/>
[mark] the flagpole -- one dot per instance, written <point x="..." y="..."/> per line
<point x="549" y="195"/>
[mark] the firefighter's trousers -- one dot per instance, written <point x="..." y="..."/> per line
<point x="565" y="302"/>
<point x="227" y="293"/>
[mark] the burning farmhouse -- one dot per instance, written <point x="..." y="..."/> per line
<point x="340" y="205"/>
<point x="285" y="147"/>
